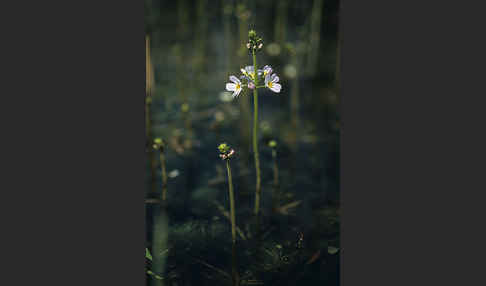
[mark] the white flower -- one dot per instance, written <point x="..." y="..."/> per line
<point x="266" y="70"/>
<point x="271" y="83"/>
<point x="235" y="87"/>
<point x="249" y="72"/>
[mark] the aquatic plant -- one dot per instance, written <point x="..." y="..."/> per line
<point x="149" y="86"/>
<point x="251" y="79"/>
<point x="159" y="145"/>
<point x="225" y="154"/>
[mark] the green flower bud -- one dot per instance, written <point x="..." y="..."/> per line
<point x="158" y="144"/>
<point x="255" y="43"/>
<point x="223" y="148"/>
<point x="272" y="144"/>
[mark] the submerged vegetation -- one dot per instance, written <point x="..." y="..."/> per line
<point x="267" y="218"/>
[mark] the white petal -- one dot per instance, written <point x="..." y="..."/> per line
<point x="237" y="92"/>
<point x="276" y="87"/>
<point x="249" y="69"/>
<point x="274" y="78"/>
<point x="230" y="87"/>
<point x="234" y="79"/>
<point x="243" y="71"/>
<point x="267" y="79"/>
<point x="267" y="70"/>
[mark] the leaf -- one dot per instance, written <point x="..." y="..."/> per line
<point x="147" y="254"/>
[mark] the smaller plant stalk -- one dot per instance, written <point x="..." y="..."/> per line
<point x="315" y="37"/>
<point x="255" y="138"/>
<point x="281" y="22"/>
<point x="164" y="175"/>
<point x="148" y="119"/>
<point x="234" y="272"/>
<point x="232" y="202"/>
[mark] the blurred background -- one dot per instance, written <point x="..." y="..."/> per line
<point x="191" y="49"/>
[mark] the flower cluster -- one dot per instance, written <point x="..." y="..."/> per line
<point x="255" y="43"/>
<point x="226" y="151"/>
<point x="249" y="77"/>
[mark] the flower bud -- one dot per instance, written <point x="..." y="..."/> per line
<point x="226" y="151"/>
<point x="158" y="144"/>
<point x="223" y="148"/>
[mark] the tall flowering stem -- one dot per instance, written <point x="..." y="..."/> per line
<point x="255" y="139"/>
<point x="250" y="78"/>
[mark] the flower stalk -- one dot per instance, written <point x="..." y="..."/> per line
<point x="255" y="140"/>
<point x="225" y="154"/>
<point x="159" y="145"/>
<point x="232" y="202"/>
<point x="250" y="79"/>
<point x="148" y="118"/>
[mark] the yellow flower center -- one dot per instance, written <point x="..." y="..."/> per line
<point x="238" y="86"/>
<point x="270" y="84"/>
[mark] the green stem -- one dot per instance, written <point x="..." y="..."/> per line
<point x="232" y="203"/>
<point x="164" y="176"/>
<point x="151" y="155"/>
<point x="234" y="272"/>
<point x="255" y="138"/>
